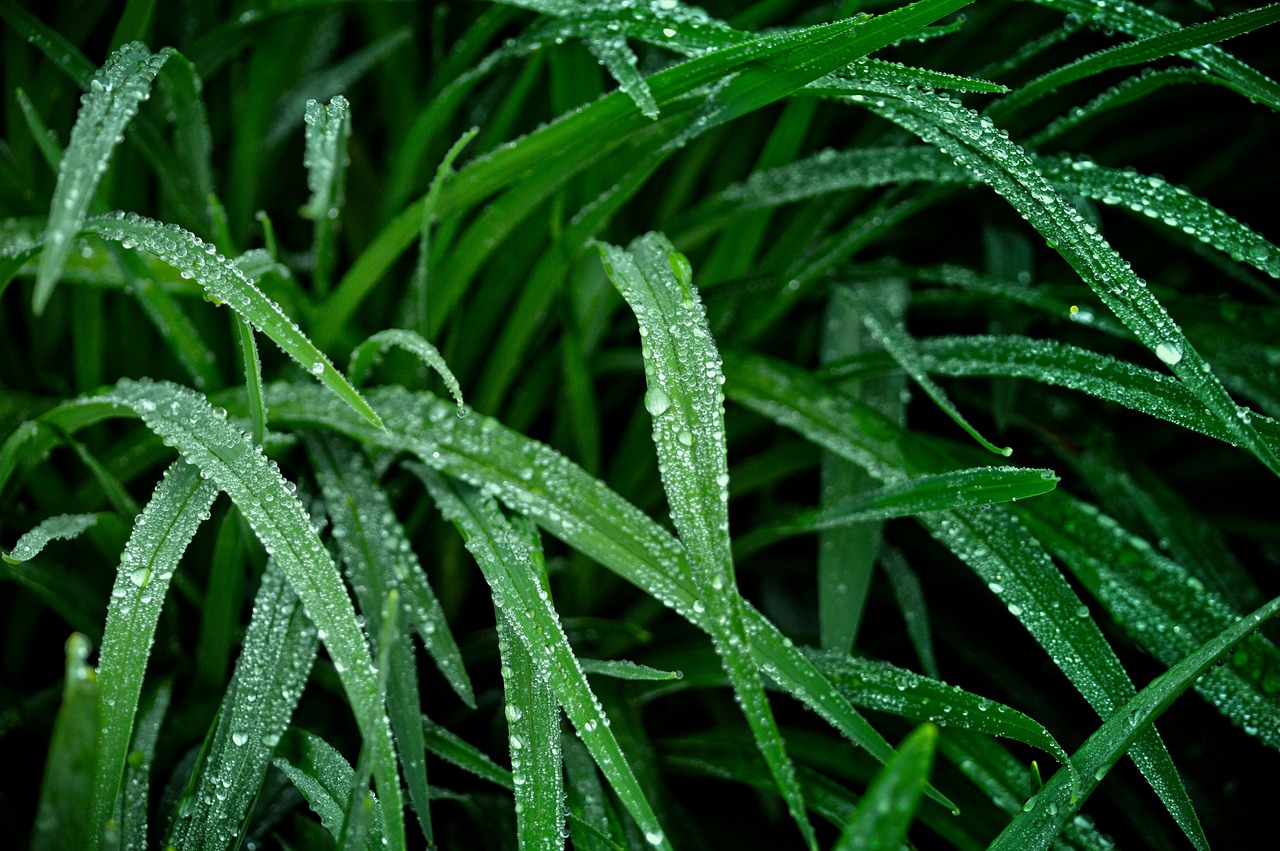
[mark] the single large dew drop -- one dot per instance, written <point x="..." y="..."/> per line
<point x="1169" y="353"/>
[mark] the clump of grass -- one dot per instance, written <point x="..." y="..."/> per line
<point x="638" y="426"/>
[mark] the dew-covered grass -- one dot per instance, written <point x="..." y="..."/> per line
<point x="620" y="424"/>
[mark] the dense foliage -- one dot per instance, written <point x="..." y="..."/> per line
<point x="629" y="425"/>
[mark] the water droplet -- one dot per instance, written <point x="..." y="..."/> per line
<point x="657" y="401"/>
<point x="317" y="368"/>
<point x="239" y="738"/>
<point x="1169" y="352"/>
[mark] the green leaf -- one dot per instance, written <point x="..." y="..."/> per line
<point x="1176" y="41"/>
<point x="368" y="353"/>
<point x="271" y="672"/>
<point x="505" y="558"/>
<point x="943" y="492"/>
<point x="325" y="779"/>
<point x="1045" y="815"/>
<point x="575" y="507"/>
<point x="887" y="688"/>
<point x="223" y="453"/>
<point x="446" y="745"/>
<point x="682" y="368"/>
<point x="624" y="669"/>
<point x="115" y="93"/>
<point x="63" y="821"/>
<point x="161" y="534"/>
<point x="63" y="527"/>
<point x="226" y="284"/>
<point x="886" y="812"/>
<point x="328" y="128"/>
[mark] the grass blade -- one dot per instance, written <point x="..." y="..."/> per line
<point x="368" y="353"/>
<point x="137" y="773"/>
<point x="682" y="368"/>
<point x="885" y="687"/>
<point x="504" y="557"/>
<point x="575" y="507"/>
<point x="274" y="665"/>
<point x="533" y="736"/>
<point x="444" y="744"/>
<point x="1177" y="41"/>
<point x="1050" y="810"/>
<point x="63" y="527"/>
<point x="115" y="93"/>
<point x="970" y="488"/>
<point x="886" y="812"/>
<point x="379" y="552"/>
<point x="63" y="815"/>
<point x="328" y="128"/>
<point x="226" y="284"/>
<point x="161" y="534"/>
<point x="224" y="453"/>
<point x="325" y="779"/>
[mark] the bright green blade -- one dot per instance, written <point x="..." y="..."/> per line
<point x="886" y="812"/>
<point x="161" y="534"/>
<point x="63" y="821"/>
<point x="682" y="369"/>
<point x="279" y="649"/>
<point x="504" y="556"/>
<point x="115" y="93"/>
<point x="63" y="527"/>
<point x="227" y="284"/>
<point x="1048" y="812"/>
<point x="325" y="779"/>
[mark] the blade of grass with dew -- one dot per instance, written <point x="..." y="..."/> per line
<point x="361" y="804"/>
<point x="1002" y="778"/>
<point x="575" y="507"/>
<point x="888" y="688"/>
<point x="377" y="548"/>
<point x="448" y="746"/>
<point x="63" y="821"/>
<point x="374" y="549"/>
<point x="223" y="453"/>
<point x="1046" y="814"/>
<point x="593" y="823"/>
<point x="1131" y="91"/>
<point x="904" y="350"/>
<point x="1006" y="168"/>
<point x="608" y="122"/>
<point x="683" y="374"/>
<point x="886" y="811"/>
<point x="505" y="559"/>
<point x="161" y="534"/>
<point x="279" y="649"/>
<point x="1098" y="375"/>
<point x="969" y="488"/>
<point x="252" y="365"/>
<point x="624" y="669"/>
<point x="137" y="772"/>
<point x="325" y="779"/>
<point x="994" y="544"/>
<point x="1139" y="21"/>
<point x="226" y="284"/>
<point x="366" y="355"/>
<point x="779" y="74"/>
<point x="183" y="89"/>
<point x="115" y="93"/>
<point x="60" y="528"/>
<point x="328" y="129"/>
<point x="533" y="737"/>
<point x="1164" y="608"/>
<point x="1180" y="40"/>
<point x="419" y="289"/>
